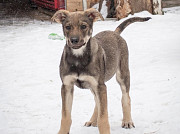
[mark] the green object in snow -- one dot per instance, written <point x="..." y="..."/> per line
<point x="54" y="36"/>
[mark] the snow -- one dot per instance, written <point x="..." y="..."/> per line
<point x="30" y="100"/>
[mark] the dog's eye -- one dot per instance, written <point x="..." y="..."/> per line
<point x="83" y="26"/>
<point x="68" y="27"/>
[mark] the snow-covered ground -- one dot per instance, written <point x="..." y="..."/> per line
<point x="30" y="101"/>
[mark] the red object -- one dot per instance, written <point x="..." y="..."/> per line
<point x="51" y="4"/>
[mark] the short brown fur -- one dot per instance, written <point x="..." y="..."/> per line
<point x="88" y="62"/>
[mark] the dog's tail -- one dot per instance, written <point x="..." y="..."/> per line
<point x="127" y="22"/>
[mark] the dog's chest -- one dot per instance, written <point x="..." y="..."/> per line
<point x="78" y="64"/>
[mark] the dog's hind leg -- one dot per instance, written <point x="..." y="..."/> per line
<point x="93" y="120"/>
<point x="67" y="98"/>
<point x="123" y="78"/>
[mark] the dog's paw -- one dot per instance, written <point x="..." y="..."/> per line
<point x="127" y="124"/>
<point x="90" y="123"/>
<point x="62" y="133"/>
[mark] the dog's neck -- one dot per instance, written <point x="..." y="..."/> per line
<point x="79" y="52"/>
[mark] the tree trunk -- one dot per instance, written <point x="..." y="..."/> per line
<point x="157" y="7"/>
<point x="111" y="8"/>
<point x="141" y="5"/>
<point x="100" y="5"/>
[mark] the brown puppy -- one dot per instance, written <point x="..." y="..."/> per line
<point x="88" y="62"/>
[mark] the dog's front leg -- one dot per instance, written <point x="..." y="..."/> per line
<point x="101" y="101"/>
<point x="67" y="98"/>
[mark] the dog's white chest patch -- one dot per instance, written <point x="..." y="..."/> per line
<point x="79" y="52"/>
<point x="77" y="63"/>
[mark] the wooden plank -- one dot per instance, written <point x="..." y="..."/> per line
<point x="77" y="5"/>
<point x="74" y="5"/>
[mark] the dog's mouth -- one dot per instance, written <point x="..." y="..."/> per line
<point x="76" y="46"/>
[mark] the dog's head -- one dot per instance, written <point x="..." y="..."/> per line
<point x="77" y="26"/>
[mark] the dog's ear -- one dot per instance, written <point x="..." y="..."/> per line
<point x="60" y="16"/>
<point x="93" y="14"/>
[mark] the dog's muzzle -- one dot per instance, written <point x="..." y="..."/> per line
<point x="75" y="43"/>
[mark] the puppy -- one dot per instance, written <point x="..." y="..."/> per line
<point x="88" y="62"/>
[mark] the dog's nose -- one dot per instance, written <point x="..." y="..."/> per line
<point x="74" y="40"/>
